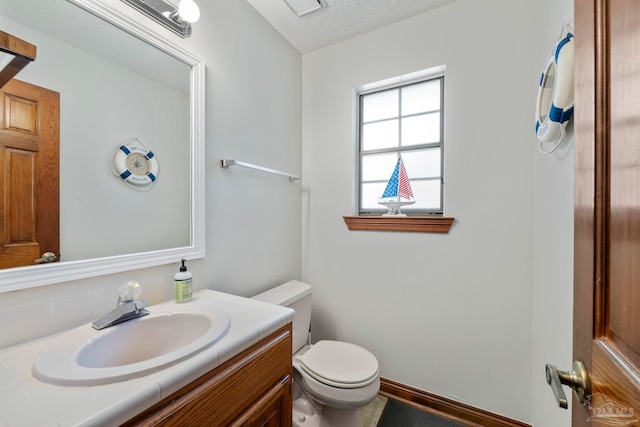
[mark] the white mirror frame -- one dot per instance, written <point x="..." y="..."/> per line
<point x="12" y="279"/>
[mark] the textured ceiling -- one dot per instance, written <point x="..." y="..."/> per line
<point x="340" y="20"/>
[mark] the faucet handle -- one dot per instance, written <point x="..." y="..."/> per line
<point x="129" y="291"/>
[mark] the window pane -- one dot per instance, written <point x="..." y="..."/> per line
<point x="426" y="195"/>
<point x="378" y="167"/>
<point x="381" y="105"/>
<point x="380" y="135"/>
<point x="422" y="163"/>
<point x="407" y="121"/>
<point x="421" y="97"/>
<point x="421" y="129"/>
<point x="370" y="193"/>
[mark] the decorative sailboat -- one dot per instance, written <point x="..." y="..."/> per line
<point x="398" y="192"/>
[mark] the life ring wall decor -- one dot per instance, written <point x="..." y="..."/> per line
<point x="554" y="105"/>
<point x="136" y="165"/>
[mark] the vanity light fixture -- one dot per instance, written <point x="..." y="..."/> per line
<point x="302" y="7"/>
<point x="177" y="19"/>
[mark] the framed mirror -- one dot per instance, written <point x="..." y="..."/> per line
<point x="117" y="82"/>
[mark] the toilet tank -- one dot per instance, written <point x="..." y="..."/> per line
<point x="295" y="295"/>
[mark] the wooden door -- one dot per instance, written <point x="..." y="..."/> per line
<point x="607" y="210"/>
<point x="29" y="173"/>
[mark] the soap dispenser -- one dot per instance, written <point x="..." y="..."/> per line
<point x="182" y="284"/>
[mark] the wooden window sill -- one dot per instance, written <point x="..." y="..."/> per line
<point x="421" y="224"/>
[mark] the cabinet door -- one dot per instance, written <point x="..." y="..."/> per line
<point x="251" y="389"/>
<point x="272" y="410"/>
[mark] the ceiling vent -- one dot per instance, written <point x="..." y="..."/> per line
<point x="302" y="7"/>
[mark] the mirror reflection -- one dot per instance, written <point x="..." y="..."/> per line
<point x="15" y="54"/>
<point x="113" y="88"/>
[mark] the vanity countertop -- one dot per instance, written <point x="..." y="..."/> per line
<point x="26" y="401"/>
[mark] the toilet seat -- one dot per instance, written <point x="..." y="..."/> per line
<point x="339" y="364"/>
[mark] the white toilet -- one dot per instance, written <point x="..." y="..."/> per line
<point x="332" y="380"/>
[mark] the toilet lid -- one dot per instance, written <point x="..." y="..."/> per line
<point x="339" y="364"/>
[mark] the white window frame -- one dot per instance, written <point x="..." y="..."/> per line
<point x="396" y="82"/>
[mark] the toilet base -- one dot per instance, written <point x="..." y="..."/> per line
<point x="305" y="414"/>
<point x="330" y="417"/>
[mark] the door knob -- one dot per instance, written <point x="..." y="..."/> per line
<point x="578" y="380"/>
<point x="46" y="257"/>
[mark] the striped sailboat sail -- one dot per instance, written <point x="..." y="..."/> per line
<point x="398" y="188"/>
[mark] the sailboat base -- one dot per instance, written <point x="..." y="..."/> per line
<point x="394" y="208"/>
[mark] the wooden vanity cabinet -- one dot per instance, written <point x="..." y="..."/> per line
<point x="251" y="389"/>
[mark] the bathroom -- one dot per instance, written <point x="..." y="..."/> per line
<point x="464" y="315"/>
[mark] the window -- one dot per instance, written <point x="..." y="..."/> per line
<point x="402" y="121"/>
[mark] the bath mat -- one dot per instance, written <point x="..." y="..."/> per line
<point x="397" y="414"/>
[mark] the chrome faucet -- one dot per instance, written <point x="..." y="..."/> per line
<point x="127" y="308"/>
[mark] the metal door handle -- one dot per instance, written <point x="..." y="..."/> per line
<point x="578" y="380"/>
<point x="46" y="258"/>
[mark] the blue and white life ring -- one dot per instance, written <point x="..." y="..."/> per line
<point x="554" y="105"/>
<point x="136" y="165"/>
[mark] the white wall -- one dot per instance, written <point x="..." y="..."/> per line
<point x="450" y="314"/>
<point x="253" y="113"/>
<point x="553" y="240"/>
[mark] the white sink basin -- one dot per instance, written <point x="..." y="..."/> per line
<point x="170" y="334"/>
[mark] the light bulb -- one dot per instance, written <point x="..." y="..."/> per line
<point x="188" y="11"/>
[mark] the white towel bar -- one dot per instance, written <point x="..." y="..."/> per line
<point x="225" y="163"/>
